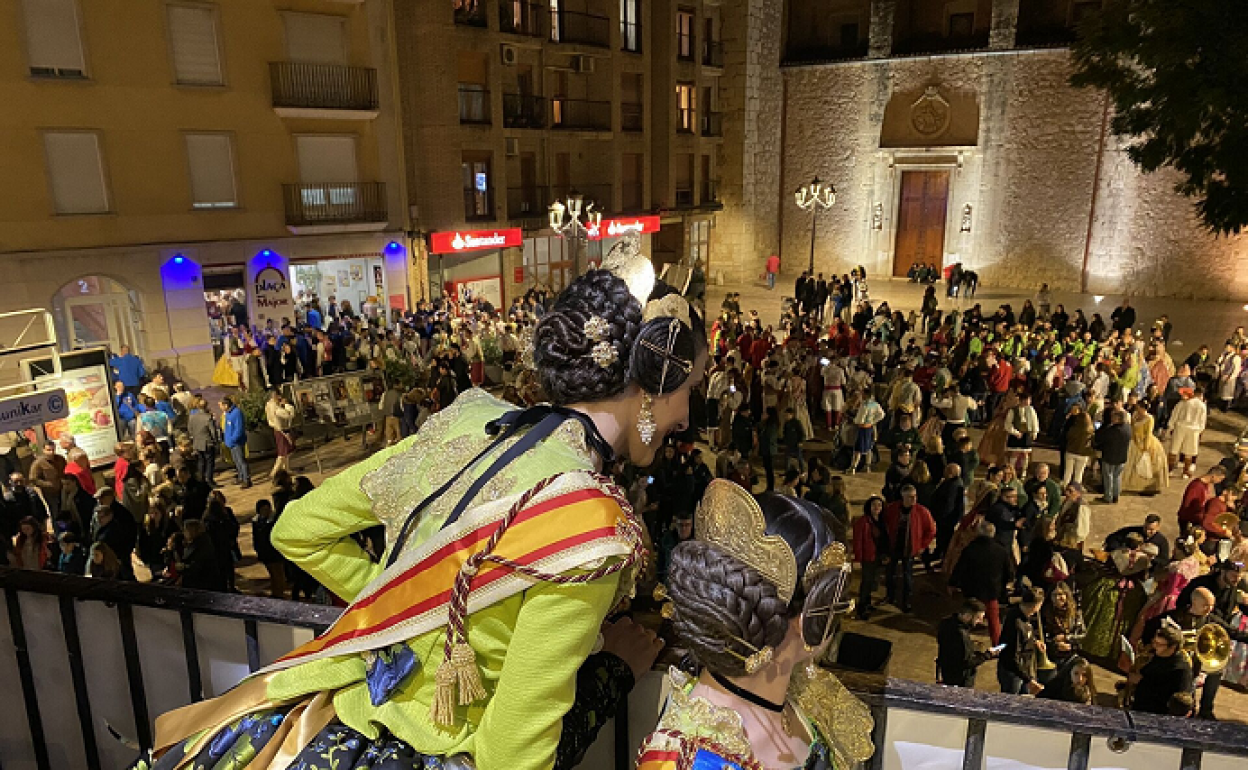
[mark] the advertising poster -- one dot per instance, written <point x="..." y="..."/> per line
<point x="90" y="419"/>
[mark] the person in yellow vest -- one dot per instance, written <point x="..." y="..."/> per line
<point x="506" y="548"/>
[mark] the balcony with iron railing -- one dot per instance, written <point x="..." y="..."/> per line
<point x="580" y="114"/>
<point x="335" y="206"/>
<point x="323" y="90"/>
<point x="684" y="195"/>
<point x="528" y="202"/>
<point x="713" y="54"/>
<point x="632" y="116"/>
<point x="712" y="123"/>
<point x="84" y="659"/>
<point x="601" y="195"/>
<point x="524" y="111"/>
<point x="474" y="105"/>
<point x="582" y="28"/>
<point x="471" y="15"/>
<point x="528" y="19"/>
<point x="710" y="191"/>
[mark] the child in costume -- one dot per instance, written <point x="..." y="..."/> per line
<point x="756" y="597"/>
<point x="505" y="551"/>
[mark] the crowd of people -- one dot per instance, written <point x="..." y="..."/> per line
<point x="839" y="386"/>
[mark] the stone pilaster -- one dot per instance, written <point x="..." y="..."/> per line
<point x="881" y="31"/>
<point x="1004" y="25"/>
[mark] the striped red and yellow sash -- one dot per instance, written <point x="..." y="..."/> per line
<point x="564" y="530"/>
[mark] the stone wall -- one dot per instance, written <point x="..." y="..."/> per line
<point x="1028" y="178"/>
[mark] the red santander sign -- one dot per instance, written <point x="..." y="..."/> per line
<point x="455" y="242"/>
<point x="610" y="228"/>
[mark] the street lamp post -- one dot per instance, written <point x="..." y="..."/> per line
<point x="572" y="227"/>
<point x="813" y="197"/>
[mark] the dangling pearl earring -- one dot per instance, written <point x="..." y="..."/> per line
<point x="645" y="420"/>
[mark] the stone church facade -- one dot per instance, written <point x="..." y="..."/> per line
<point x="951" y="134"/>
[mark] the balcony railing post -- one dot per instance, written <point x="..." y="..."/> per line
<point x="335" y="203"/>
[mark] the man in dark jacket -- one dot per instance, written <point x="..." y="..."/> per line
<point x="982" y="572"/>
<point x="199" y="568"/>
<point x="1114" y="440"/>
<point x="948" y="506"/>
<point x="1016" y="669"/>
<point x="956" y="656"/>
<point x="205" y="439"/>
<point x="1008" y="518"/>
<point x="1169" y="673"/>
<point x="115" y="527"/>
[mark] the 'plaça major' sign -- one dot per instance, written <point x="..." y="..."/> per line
<point x="22" y="412"/>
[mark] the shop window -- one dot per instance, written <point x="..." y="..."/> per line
<point x="699" y="241"/>
<point x="548" y="261"/>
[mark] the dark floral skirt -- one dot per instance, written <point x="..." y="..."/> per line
<point x="335" y="747"/>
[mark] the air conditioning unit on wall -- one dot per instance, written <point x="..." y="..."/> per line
<point x="510" y="55"/>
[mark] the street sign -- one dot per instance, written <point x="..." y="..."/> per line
<point x="22" y="412"/>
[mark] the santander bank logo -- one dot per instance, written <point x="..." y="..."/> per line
<point x="461" y="241"/>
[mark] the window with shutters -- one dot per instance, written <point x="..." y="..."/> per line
<point x="327" y="169"/>
<point x="195" y="52"/>
<point x="210" y="160"/>
<point x="53" y="39"/>
<point x="315" y="38"/>
<point x="76" y="172"/>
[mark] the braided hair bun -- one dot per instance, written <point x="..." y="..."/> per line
<point x="717" y="597"/>
<point x="562" y="351"/>
<point x="661" y="342"/>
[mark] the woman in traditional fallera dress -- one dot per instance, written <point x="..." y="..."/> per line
<point x="505" y="551"/>
<point x="756" y="597"/>
<point x="1147" y="468"/>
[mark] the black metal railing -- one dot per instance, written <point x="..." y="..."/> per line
<point x="471" y="15"/>
<point x="524" y="111"/>
<point x="799" y="54"/>
<point x="580" y="114"/>
<point x="474" y="104"/>
<point x="1045" y="36"/>
<point x="601" y="195"/>
<point x="335" y="203"/>
<point x="529" y="19"/>
<point x="630" y="36"/>
<point x="710" y="191"/>
<point x="632" y="116"/>
<point x="583" y="28"/>
<point x="478" y="206"/>
<point x="712" y="123"/>
<point x="933" y="43"/>
<point x="323" y="86"/>
<point x="123" y="653"/>
<point x="684" y="194"/>
<point x="712" y="53"/>
<point x="632" y="197"/>
<point x="528" y="201"/>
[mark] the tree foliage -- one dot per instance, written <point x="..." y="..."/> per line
<point x="1176" y="72"/>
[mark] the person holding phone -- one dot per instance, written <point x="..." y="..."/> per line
<point x="1016" y="668"/>
<point x="957" y="657"/>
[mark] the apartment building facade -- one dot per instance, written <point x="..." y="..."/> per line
<point x="521" y="104"/>
<point x="156" y="154"/>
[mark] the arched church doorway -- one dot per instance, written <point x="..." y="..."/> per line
<point x="96" y="310"/>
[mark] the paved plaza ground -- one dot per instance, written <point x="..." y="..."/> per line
<point x="913" y="635"/>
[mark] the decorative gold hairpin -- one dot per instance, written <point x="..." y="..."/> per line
<point x="598" y="331"/>
<point x="731" y="519"/>
<point x="754" y="662"/>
